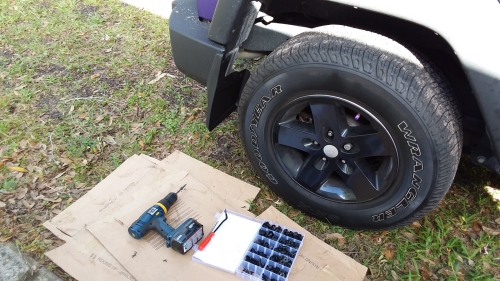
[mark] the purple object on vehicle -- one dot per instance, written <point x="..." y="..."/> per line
<point x="206" y="9"/>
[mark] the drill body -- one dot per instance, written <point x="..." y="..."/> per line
<point x="180" y="239"/>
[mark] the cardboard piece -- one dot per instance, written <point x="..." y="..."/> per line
<point x="87" y="259"/>
<point x="316" y="260"/>
<point x="83" y="256"/>
<point x="196" y="201"/>
<point x="231" y="190"/>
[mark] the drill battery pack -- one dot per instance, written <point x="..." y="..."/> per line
<point x="185" y="236"/>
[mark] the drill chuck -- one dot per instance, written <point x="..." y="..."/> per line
<point x="168" y="201"/>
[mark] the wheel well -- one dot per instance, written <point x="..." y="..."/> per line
<point x="429" y="43"/>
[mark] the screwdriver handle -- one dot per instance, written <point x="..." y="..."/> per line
<point x="205" y="241"/>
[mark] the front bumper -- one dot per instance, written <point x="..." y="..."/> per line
<point x="193" y="51"/>
<point x="198" y="55"/>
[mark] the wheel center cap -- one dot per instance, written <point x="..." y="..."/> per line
<point x="330" y="151"/>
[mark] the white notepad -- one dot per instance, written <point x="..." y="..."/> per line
<point x="230" y="242"/>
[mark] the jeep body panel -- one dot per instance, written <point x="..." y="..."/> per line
<point x="205" y="51"/>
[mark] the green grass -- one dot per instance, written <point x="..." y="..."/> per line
<point x="75" y="103"/>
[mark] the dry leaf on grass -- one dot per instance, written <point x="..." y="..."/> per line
<point x="427" y="274"/>
<point x="2" y="204"/>
<point x="497" y="221"/>
<point x="415" y="224"/>
<point x="412" y="237"/>
<point x="5" y="239"/>
<point x="427" y="261"/>
<point x="395" y="276"/>
<point x="389" y="253"/>
<point x="335" y="236"/>
<point x="95" y="75"/>
<point x="99" y="118"/>
<point x="59" y="175"/>
<point x="23" y="144"/>
<point x="158" y="77"/>
<point x="66" y="161"/>
<point x="57" y="200"/>
<point x="21" y="192"/>
<point x="26" y="204"/>
<point x="491" y="231"/>
<point x="110" y="140"/>
<point x="135" y="126"/>
<point x="486" y="265"/>
<point x="17" y="169"/>
<point x="477" y="226"/>
<point x="40" y="218"/>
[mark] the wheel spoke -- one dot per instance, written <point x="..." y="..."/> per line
<point x="293" y="134"/>
<point x="369" y="145"/>
<point x="329" y="115"/>
<point x="363" y="183"/>
<point x="310" y="176"/>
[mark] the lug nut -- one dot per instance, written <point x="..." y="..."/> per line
<point x="315" y="142"/>
<point x="343" y="161"/>
<point x="330" y="133"/>
<point x="348" y="146"/>
<point x="324" y="159"/>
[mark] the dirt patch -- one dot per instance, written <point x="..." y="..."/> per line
<point x="44" y="5"/>
<point x="226" y="145"/>
<point x="6" y="57"/>
<point x="53" y="69"/>
<point x="110" y="84"/>
<point x="87" y="10"/>
<point x="49" y="103"/>
<point x="6" y="54"/>
<point x="85" y="92"/>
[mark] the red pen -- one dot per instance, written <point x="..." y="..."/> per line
<point x="207" y="239"/>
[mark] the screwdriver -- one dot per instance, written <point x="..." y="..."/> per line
<point x="205" y="242"/>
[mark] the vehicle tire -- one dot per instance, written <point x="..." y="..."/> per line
<point x="351" y="127"/>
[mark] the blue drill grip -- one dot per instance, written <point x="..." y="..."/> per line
<point x="153" y="218"/>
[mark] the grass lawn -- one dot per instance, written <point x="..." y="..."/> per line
<point x="79" y="94"/>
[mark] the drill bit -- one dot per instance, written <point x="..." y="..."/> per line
<point x="182" y="187"/>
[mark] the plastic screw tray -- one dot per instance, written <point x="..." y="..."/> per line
<point x="271" y="255"/>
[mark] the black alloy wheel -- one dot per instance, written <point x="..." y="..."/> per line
<point x="335" y="148"/>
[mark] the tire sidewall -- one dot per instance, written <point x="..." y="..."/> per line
<point x="417" y="164"/>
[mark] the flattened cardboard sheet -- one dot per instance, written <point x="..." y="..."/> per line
<point x="153" y="259"/>
<point x="84" y="257"/>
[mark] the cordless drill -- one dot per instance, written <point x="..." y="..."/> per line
<point x="180" y="239"/>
